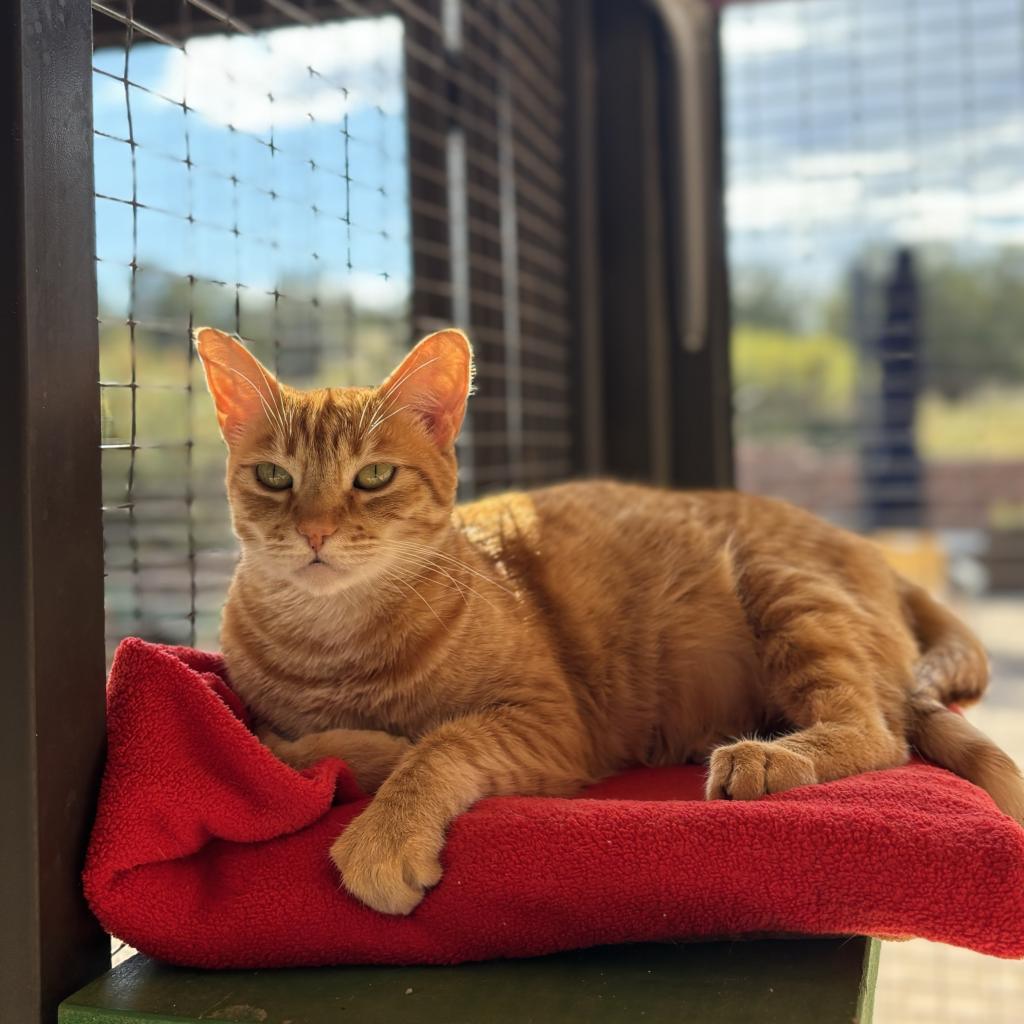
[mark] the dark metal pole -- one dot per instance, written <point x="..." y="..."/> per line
<point x="702" y="454"/>
<point x="893" y="478"/>
<point x="665" y="401"/>
<point x="702" y="381"/>
<point x="584" y="237"/>
<point x="51" y="601"/>
<point x="635" y="310"/>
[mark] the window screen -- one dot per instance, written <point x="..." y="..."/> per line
<point x="251" y="173"/>
<point x="331" y="180"/>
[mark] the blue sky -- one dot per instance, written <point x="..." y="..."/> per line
<point x="863" y="123"/>
<point x="850" y="124"/>
<point x="296" y="214"/>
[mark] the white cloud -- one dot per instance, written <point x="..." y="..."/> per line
<point x="953" y="216"/>
<point x="365" y="289"/>
<point x="887" y="191"/>
<point x="785" y="203"/>
<point x="945" y="215"/>
<point x="370" y="291"/>
<point x="770" y="30"/>
<point x="838" y="163"/>
<point x="747" y="34"/>
<point x="284" y="77"/>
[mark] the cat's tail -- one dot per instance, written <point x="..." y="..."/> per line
<point x="953" y="668"/>
<point x="951" y="741"/>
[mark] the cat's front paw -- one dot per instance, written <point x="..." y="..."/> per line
<point x="387" y="863"/>
<point x="752" y="768"/>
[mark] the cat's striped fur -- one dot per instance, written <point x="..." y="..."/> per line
<point x="532" y="642"/>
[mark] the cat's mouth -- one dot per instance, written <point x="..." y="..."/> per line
<point x="319" y="565"/>
<point x="319" y="573"/>
<point x="341" y="569"/>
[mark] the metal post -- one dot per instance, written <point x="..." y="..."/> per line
<point x="584" y="237"/>
<point x="51" y="602"/>
<point x="893" y="478"/>
<point x="702" y="382"/>
<point x="663" y="323"/>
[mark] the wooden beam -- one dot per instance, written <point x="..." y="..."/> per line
<point x="787" y="981"/>
<point x="51" y="601"/>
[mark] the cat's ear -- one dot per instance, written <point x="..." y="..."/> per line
<point x="434" y="380"/>
<point x="243" y="389"/>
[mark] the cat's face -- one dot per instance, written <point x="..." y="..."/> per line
<point x="332" y="488"/>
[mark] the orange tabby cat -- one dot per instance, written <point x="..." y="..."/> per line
<point x="531" y="643"/>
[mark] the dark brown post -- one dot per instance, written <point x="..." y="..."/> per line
<point x="653" y="391"/>
<point x="702" y="453"/>
<point x="51" y="599"/>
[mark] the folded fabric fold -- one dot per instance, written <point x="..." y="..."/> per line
<point x="209" y="852"/>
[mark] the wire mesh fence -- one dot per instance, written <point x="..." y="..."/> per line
<point x="330" y="180"/>
<point x="873" y="153"/>
<point x="876" y="231"/>
<point x="487" y="141"/>
<point x="253" y="178"/>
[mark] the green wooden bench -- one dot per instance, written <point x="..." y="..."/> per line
<point x="784" y="981"/>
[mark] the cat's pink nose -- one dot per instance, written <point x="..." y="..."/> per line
<point x="316" y="531"/>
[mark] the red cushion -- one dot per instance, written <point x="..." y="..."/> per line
<point x="207" y="851"/>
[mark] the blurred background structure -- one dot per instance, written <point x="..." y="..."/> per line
<point x="875" y="213"/>
<point x="771" y="243"/>
<point x="876" y="222"/>
<point x="259" y="179"/>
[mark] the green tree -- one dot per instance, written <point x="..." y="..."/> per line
<point x="973" y="321"/>
<point x="760" y="298"/>
<point x="972" y="316"/>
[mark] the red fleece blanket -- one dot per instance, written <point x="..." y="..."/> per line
<point x="208" y="851"/>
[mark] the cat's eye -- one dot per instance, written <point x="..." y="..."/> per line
<point x="374" y="476"/>
<point x="274" y="477"/>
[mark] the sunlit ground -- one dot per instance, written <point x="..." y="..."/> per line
<point x="925" y="982"/>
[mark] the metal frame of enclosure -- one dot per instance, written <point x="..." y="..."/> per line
<point x="616" y="287"/>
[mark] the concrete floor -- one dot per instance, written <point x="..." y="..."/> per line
<point x="922" y="981"/>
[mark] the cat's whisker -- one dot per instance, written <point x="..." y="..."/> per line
<point x="430" y="607"/>
<point x="380" y="415"/>
<point x="277" y="392"/>
<point x="426" y="578"/>
<point x="425" y="562"/>
<point x="276" y="406"/>
<point x="417" y="559"/>
<point x="362" y="415"/>
<point x="383" y="405"/>
<point x="391" y="393"/>
<point x="271" y="413"/>
<point x="456" y="564"/>
<point x="392" y="388"/>
<point x="459" y="585"/>
<point x="289" y="422"/>
<point x="383" y="419"/>
<point x="456" y="561"/>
